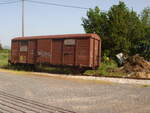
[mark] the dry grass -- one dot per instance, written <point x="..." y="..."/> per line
<point x="56" y="76"/>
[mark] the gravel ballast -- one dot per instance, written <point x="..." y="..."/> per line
<point x="108" y="79"/>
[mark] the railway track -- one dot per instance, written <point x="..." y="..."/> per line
<point x="13" y="104"/>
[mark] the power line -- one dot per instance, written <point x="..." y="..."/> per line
<point x="55" y="4"/>
<point x="3" y="3"/>
<point x="7" y="0"/>
<point x="45" y="3"/>
<point x="38" y="2"/>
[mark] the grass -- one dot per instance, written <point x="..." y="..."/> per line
<point x="4" y="55"/>
<point x="57" y="70"/>
<point x="145" y="85"/>
<point x="63" y="77"/>
<point x="105" y="69"/>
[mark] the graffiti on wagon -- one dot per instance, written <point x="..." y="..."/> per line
<point x="44" y="54"/>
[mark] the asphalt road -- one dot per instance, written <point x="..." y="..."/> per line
<point x="41" y="94"/>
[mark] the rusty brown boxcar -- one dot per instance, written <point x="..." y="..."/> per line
<point x="83" y="50"/>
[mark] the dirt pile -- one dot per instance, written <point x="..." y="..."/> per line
<point x="136" y="66"/>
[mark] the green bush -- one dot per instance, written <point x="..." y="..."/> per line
<point x="105" y="69"/>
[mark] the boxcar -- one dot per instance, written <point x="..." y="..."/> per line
<point x="81" y="50"/>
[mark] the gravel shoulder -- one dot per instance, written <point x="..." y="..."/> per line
<point x="101" y="79"/>
<point x="106" y="80"/>
<point x="35" y="92"/>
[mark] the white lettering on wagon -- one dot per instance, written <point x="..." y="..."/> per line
<point x="23" y="49"/>
<point x="69" y="42"/>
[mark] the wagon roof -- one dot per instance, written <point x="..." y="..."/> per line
<point x="58" y="36"/>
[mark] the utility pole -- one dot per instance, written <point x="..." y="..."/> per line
<point x="23" y="18"/>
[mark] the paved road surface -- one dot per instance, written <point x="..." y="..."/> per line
<point x="38" y="94"/>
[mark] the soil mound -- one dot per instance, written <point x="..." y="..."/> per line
<point x="136" y="66"/>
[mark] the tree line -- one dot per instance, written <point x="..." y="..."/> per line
<point x="121" y="30"/>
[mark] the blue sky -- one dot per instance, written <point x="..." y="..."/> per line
<point x="50" y="20"/>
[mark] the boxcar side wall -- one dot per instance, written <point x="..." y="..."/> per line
<point x="32" y="51"/>
<point x="95" y="52"/>
<point x="71" y="52"/>
<point x="14" y="51"/>
<point x="99" y="52"/>
<point x="91" y="55"/>
<point x="43" y="51"/>
<point x="23" y="51"/>
<point x="57" y="51"/>
<point x="83" y="52"/>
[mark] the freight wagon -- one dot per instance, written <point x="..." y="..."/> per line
<point x="79" y="50"/>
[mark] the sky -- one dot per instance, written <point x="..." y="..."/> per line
<point x="50" y="20"/>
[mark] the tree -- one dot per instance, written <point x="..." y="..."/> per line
<point x="121" y="29"/>
<point x="96" y="22"/>
<point x="118" y="28"/>
<point x="136" y="31"/>
<point x="145" y="16"/>
<point x="143" y="47"/>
